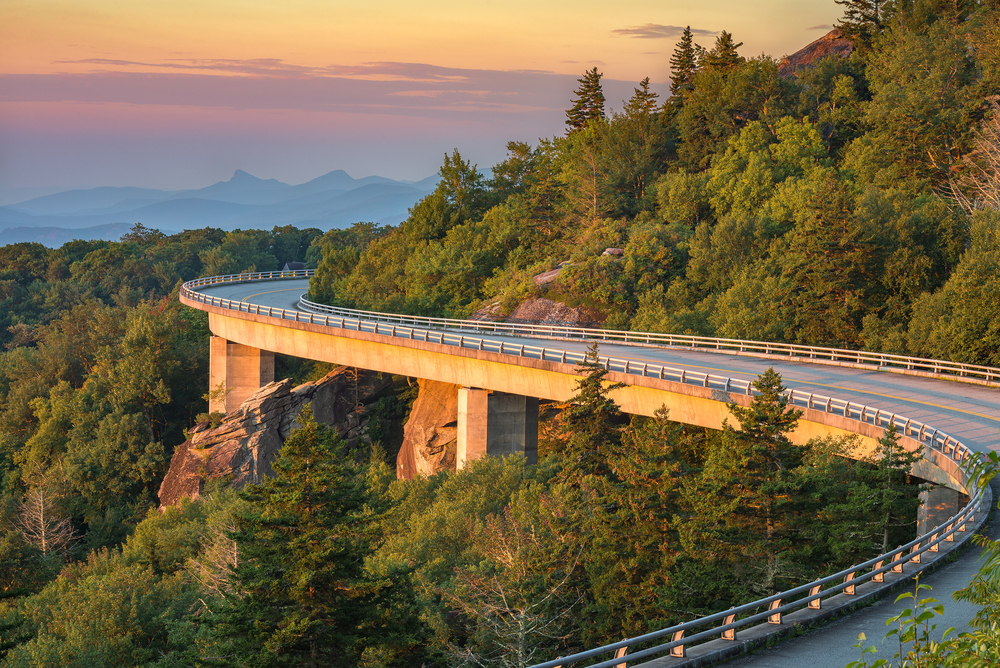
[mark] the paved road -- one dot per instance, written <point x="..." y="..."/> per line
<point x="970" y="413"/>
<point x="830" y="646"/>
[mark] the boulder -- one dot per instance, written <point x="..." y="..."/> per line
<point x="430" y="435"/>
<point x="246" y="441"/>
<point x="544" y="311"/>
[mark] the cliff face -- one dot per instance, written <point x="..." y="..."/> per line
<point x="430" y="436"/>
<point x="831" y="43"/>
<point x="245" y="443"/>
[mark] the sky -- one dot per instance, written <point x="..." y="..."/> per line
<point x="180" y="93"/>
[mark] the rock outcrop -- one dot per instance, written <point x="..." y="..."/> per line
<point x="542" y="311"/>
<point x="244" y="444"/>
<point x="430" y="436"/>
<point x="831" y="43"/>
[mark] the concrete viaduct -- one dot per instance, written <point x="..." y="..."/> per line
<point x="948" y="411"/>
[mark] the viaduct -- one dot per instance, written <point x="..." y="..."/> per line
<point x="948" y="411"/>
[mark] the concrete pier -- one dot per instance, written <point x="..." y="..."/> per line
<point x="497" y="424"/>
<point x="939" y="503"/>
<point x="240" y="369"/>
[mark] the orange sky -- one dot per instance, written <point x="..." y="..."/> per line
<point x="113" y="70"/>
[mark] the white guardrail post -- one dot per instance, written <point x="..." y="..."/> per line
<point x="723" y="623"/>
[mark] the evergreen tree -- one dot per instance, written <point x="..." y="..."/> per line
<point x="747" y="505"/>
<point x="589" y="102"/>
<point x="683" y="67"/>
<point x="862" y="21"/>
<point x="306" y="598"/>
<point x="591" y="419"/>
<point x="888" y="494"/>
<point x="831" y="267"/>
<point x="643" y="102"/>
<point x="723" y="56"/>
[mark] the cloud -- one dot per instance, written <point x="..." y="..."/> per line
<point x="273" y="67"/>
<point x="822" y="27"/>
<point x="657" y="31"/>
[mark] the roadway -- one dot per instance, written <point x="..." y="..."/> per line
<point x="968" y="412"/>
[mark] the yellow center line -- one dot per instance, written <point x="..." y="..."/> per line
<point x="860" y="391"/>
<point x="269" y="292"/>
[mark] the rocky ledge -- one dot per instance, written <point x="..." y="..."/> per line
<point x="245" y="442"/>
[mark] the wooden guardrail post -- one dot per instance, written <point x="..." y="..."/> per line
<point x="729" y="634"/>
<point x="776" y="617"/>
<point x="815" y="603"/>
<point x="677" y="651"/>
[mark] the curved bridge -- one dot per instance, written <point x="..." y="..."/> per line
<point x="948" y="411"/>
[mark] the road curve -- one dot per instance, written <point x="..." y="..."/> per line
<point x="968" y="412"/>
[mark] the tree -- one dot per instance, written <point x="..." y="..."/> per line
<point x="746" y="502"/>
<point x="924" y="106"/>
<point x="862" y="20"/>
<point x="831" y="269"/>
<point x="520" y="598"/>
<point x="723" y="56"/>
<point x="979" y="188"/>
<point x="886" y="499"/>
<point x="589" y="102"/>
<point x="590" y="420"/>
<point x="307" y="598"/>
<point x="633" y="153"/>
<point x="683" y="67"/>
<point x="42" y="525"/>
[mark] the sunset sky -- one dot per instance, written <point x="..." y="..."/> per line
<point x="180" y="93"/>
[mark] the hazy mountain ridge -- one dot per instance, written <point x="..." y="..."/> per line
<point x="333" y="200"/>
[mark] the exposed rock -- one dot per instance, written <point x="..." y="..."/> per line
<point x="614" y="252"/>
<point x="488" y="313"/>
<point x="544" y="311"/>
<point x="430" y="436"/>
<point x="831" y="43"/>
<point x="244" y="444"/>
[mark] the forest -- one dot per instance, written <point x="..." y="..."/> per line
<point x="854" y="203"/>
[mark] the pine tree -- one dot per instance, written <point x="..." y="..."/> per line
<point x="831" y="269"/>
<point x="723" y="56"/>
<point x="306" y="597"/>
<point x="862" y="21"/>
<point x="683" y="67"/>
<point x="589" y="102"/>
<point x="643" y="102"/>
<point x="591" y="420"/>
<point x="881" y="507"/>
<point x="746" y="503"/>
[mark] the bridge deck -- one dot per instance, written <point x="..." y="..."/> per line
<point x="968" y="412"/>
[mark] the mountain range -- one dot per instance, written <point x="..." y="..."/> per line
<point x="332" y="201"/>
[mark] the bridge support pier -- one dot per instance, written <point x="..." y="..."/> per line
<point x="497" y="424"/>
<point x="240" y="369"/>
<point x="939" y="503"/>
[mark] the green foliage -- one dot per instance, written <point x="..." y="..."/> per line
<point x="589" y="422"/>
<point x="683" y="67"/>
<point x="306" y="596"/>
<point x="103" y="612"/>
<point x="747" y="503"/>
<point x="589" y="103"/>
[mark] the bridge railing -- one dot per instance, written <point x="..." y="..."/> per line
<point x="724" y="624"/>
<point x="820" y="354"/>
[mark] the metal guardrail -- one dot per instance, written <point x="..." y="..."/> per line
<point x="705" y="343"/>
<point x="808" y="595"/>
